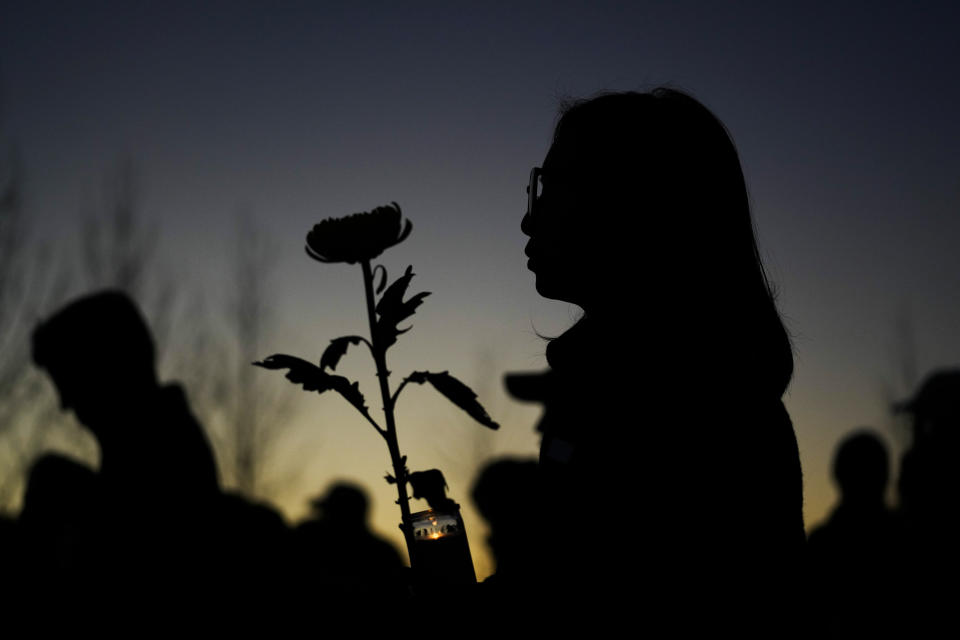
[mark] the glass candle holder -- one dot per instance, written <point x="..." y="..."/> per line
<point x="441" y="551"/>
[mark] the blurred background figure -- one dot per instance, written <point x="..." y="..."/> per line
<point x="53" y="525"/>
<point x="505" y="495"/>
<point x="929" y="484"/>
<point x="150" y="509"/>
<point x="861" y="470"/>
<point x="252" y="550"/>
<point x="855" y="555"/>
<point x="337" y="554"/>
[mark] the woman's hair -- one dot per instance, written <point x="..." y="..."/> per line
<point x="667" y="170"/>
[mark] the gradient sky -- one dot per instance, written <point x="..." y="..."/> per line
<point x="845" y="116"/>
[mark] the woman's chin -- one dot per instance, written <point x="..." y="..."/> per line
<point x="549" y="288"/>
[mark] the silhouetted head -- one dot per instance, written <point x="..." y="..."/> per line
<point x="643" y="200"/>
<point x="861" y="468"/>
<point x="505" y="491"/>
<point x="344" y="503"/>
<point x="936" y="408"/>
<point x="506" y="494"/>
<point x="100" y="355"/>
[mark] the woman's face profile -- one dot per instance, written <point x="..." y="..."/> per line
<point x="556" y="228"/>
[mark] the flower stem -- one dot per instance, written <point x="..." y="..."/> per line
<point x="390" y="435"/>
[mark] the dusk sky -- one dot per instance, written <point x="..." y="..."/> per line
<point x="844" y="114"/>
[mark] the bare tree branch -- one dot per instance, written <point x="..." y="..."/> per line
<point x="251" y="417"/>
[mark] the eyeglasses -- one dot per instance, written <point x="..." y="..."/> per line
<point x="534" y="189"/>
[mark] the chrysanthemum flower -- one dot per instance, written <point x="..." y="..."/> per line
<point x="358" y="237"/>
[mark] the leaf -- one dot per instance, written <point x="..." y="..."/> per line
<point x="431" y="486"/>
<point x="300" y="371"/>
<point x="313" y="378"/>
<point x="428" y="483"/>
<point x="383" y="277"/>
<point x="350" y="391"/>
<point x="393" y="310"/>
<point x="394" y="293"/>
<point x="457" y="393"/>
<point x="337" y="348"/>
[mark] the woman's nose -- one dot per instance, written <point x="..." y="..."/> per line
<point x="526" y="225"/>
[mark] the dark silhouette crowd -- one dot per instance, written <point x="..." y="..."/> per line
<point x="154" y="517"/>
<point x="668" y="488"/>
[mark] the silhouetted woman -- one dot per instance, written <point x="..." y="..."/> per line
<point x="669" y="465"/>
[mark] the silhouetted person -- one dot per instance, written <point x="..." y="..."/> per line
<point x="157" y="481"/>
<point x="340" y="560"/>
<point x="861" y="470"/>
<point x="53" y="528"/>
<point x="11" y="545"/>
<point x="670" y="473"/>
<point x="505" y="493"/>
<point x="929" y="488"/>
<point x="929" y="477"/>
<point x="253" y="552"/>
<point x="855" y="555"/>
